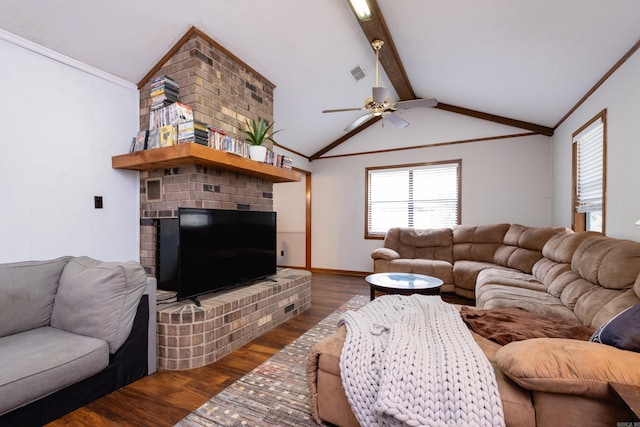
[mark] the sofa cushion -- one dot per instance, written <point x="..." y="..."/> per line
<point x="523" y="245"/>
<point x="27" y="291"/>
<point x="477" y="242"/>
<point x="558" y="365"/>
<point x="431" y="243"/>
<point x="516" y="279"/>
<point x="612" y="308"/>
<point x="622" y="331"/>
<point x="42" y="361"/>
<point x="465" y="273"/>
<point x="608" y="262"/>
<point x="491" y="296"/>
<point x="99" y="299"/>
<point x="547" y="272"/>
<point x="561" y="246"/>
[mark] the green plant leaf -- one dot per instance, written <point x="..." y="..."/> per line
<point x="257" y="131"/>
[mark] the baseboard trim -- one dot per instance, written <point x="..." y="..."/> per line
<point x="341" y="272"/>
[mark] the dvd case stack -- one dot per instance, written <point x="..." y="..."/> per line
<point x="164" y="91"/>
<point x="201" y="133"/>
<point x="193" y="131"/>
<point x="173" y="115"/>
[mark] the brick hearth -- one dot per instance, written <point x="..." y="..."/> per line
<point x="190" y="336"/>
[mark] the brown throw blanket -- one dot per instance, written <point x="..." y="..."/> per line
<point x="504" y="325"/>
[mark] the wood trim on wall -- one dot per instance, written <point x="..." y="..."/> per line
<point x="341" y="272"/>
<point x="308" y="220"/>
<point x="600" y="82"/>
<point x="579" y="220"/>
<point x="439" y="144"/>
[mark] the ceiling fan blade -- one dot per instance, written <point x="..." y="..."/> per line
<point x="416" y="103"/>
<point x="358" y="122"/>
<point x="379" y="94"/>
<point x="395" y="120"/>
<point x="338" y="110"/>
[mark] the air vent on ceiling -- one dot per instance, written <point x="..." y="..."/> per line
<point x="358" y="73"/>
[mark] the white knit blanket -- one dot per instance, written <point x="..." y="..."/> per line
<point x="412" y="361"/>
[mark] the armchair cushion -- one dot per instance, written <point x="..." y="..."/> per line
<point x="567" y="366"/>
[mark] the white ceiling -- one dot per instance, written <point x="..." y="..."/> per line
<point x="526" y="60"/>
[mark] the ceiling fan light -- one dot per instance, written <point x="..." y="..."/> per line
<point x="361" y="9"/>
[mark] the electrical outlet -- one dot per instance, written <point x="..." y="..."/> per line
<point x="97" y="202"/>
<point x="281" y="253"/>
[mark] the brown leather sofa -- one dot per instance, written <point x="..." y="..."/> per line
<point x="583" y="277"/>
<point x="456" y="255"/>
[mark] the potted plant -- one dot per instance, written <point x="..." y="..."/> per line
<point x="256" y="135"/>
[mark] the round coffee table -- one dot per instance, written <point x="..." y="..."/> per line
<point x="403" y="284"/>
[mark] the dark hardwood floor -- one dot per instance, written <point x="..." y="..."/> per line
<point x="164" y="398"/>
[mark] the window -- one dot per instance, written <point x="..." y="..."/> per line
<point x="589" y="175"/>
<point x="425" y="195"/>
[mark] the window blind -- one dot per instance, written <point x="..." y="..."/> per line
<point x="418" y="197"/>
<point x="589" y="179"/>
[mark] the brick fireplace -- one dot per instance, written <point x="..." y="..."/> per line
<point x="223" y="92"/>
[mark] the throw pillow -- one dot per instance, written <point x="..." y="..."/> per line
<point x="621" y="331"/>
<point x="27" y="291"/>
<point x="99" y="299"/>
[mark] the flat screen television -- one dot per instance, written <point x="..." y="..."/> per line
<point x="219" y="249"/>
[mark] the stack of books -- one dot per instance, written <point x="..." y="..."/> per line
<point x="164" y="91"/>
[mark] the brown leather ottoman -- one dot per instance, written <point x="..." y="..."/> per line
<point x="329" y="402"/>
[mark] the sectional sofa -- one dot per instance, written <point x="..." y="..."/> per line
<point x="569" y="278"/>
<point x="72" y="329"/>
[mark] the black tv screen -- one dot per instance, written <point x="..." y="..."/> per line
<point x="220" y="248"/>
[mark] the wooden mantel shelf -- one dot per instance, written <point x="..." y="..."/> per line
<point x="196" y="154"/>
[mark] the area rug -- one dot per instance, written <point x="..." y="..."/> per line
<point x="276" y="392"/>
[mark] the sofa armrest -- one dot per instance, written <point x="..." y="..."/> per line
<point x="385" y="253"/>
<point x="568" y="366"/>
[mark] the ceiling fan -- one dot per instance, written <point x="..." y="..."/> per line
<point x="379" y="105"/>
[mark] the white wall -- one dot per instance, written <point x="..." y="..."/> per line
<point x="289" y="201"/>
<point x="620" y="95"/>
<point x="503" y="180"/>
<point x="62" y="122"/>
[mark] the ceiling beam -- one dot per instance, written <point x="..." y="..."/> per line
<point x="544" y="130"/>
<point x="376" y="28"/>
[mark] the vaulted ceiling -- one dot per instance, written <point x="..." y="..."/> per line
<point x="525" y="64"/>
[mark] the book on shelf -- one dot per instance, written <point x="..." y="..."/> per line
<point x="168" y="136"/>
<point x="186" y="132"/>
<point x="140" y="141"/>
<point x="278" y="160"/>
<point x="215" y="138"/>
<point x="153" y="140"/>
